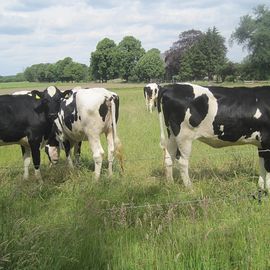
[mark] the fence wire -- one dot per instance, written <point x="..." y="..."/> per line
<point x="236" y="198"/>
<point x="138" y="159"/>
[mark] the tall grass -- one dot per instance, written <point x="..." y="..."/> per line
<point x="136" y="220"/>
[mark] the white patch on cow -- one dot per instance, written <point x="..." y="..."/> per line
<point x="254" y="139"/>
<point x="205" y="129"/>
<point x="221" y="128"/>
<point x="24" y="92"/>
<point x="70" y="99"/>
<point x="51" y="91"/>
<point x="258" y="114"/>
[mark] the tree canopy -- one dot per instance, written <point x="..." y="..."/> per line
<point x="130" y="51"/>
<point x="150" y="66"/>
<point x="104" y="61"/>
<point x="173" y="56"/>
<point x="204" y="57"/>
<point x="253" y="32"/>
<point x="63" y="70"/>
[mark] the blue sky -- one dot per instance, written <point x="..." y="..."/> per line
<point x="45" y="31"/>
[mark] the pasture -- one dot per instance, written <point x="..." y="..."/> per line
<point x="134" y="220"/>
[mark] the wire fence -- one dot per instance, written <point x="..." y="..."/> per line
<point x="236" y="198"/>
<point x="160" y="158"/>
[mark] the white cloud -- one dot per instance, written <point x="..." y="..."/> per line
<point x="45" y="31"/>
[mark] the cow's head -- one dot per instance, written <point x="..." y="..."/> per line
<point x="150" y="94"/>
<point x="50" y="100"/>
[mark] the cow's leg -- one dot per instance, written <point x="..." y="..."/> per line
<point x="183" y="162"/>
<point x="111" y="149"/>
<point x="147" y="104"/>
<point x="151" y="105"/>
<point x="67" y="146"/>
<point x="98" y="152"/>
<point x="77" y="152"/>
<point x="264" y="179"/>
<point x="261" y="181"/>
<point x="169" y="157"/>
<point x="35" y="151"/>
<point x="26" y="161"/>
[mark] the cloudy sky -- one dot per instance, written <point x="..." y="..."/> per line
<point x="45" y="31"/>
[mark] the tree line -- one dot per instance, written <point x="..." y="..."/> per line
<point x="195" y="55"/>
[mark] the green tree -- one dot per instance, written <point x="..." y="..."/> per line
<point x="229" y="69"/>
<point x="75" y="72"/>
<point x="103" y="62"/>
<point x="253" y="33"/>
<point x="60" y="66"/>
<point x="129" y="52"/>
<point x="186" y="72"/>
<point x="204" y="57"/>
<point x="150" y="66"/>
<point x="212" y="46"/>
<point x="30" y="74"/>
<point x="173" y="57"/>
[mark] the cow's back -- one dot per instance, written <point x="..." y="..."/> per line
<point x="84" y="112"/>
<point x="19" y="115"/>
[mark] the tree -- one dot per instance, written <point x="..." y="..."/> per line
<point x="129" y="51"/>
<point x="173" y="56"/>
<point x="254" y="34"/>
<point x="103" y="62"/>
<point x="229" y="69"/>
<point x="204" y="57"/>
<point x="75" y="72"/>
<point x="62" y="70"/>
<point x="59" y="68"/>
<point x="150" y="66"/>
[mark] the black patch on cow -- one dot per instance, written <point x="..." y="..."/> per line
<point x="178" y="154"/>
<point x="175" y="99"/>
<point x="148" y="92"/>
<point x="236" y="109"/>
<point x="198" y="110"/>
<point x="103" y="110"/>
<point x="70" y="112"/>
<point x="67" y="147"/>
<point x="19" y="118"/>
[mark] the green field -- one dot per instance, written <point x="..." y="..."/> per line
<point x="135" y="220"/>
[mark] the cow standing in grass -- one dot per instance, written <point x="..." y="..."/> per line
<point x="150" y="92"/>
<point x="84" y="116"/>
<point x="217" y="116"/>
<point x="27" y="120"/>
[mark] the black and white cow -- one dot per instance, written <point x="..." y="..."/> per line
<point x="26" y="119"/>
<point x="84" y="116"/>
<point x="150" y="92"/>
<point x="217" y="116"/>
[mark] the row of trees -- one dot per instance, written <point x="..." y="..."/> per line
<point x="63" y="70"/>
<point x="195" y="55"/>
<point x="127" y="60"/>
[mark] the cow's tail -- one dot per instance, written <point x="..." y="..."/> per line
<point x="117" y="143"/>
<point x="163" y="141"/>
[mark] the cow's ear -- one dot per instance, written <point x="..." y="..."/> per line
<point x="37" y="94"/>
<point x="66" y="94"/>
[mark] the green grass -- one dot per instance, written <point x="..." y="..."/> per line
<point x="136" y="220"/>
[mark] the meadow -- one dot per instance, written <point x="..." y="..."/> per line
<point x="134" y="220"/>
